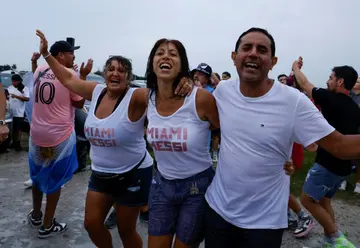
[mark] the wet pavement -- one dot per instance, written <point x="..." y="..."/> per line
<point x="16" y="202"/>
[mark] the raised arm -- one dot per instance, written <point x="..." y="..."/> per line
<point x="66" y="77"/>
<point x="34" y="60"/>
<point x="301" y="79"/>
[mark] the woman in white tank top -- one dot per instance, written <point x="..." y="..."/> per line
<point x="178" y="131"/>
<point x="115" y="129"/>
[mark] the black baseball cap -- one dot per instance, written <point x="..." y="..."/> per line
<point x="62" y="47"/>
<point x="16" y="77"/>
<point x="204" y="68"/>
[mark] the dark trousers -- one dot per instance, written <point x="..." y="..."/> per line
<point x="82" y="145"/>
<point x="82" y="150"/>
<point x="221" y="234"/>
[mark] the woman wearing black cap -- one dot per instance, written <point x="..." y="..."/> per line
<point x="19" y="94"/>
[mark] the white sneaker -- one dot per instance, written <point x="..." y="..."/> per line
<point x="357" y="188"/>
<point x="343" y="186"/>
<point x="28" y="183"/>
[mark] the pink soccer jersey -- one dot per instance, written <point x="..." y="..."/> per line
<point x="53" y="114"/>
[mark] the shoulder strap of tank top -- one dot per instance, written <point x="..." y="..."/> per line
<point x="102" y="94"/>
<point x="151" y="99"/>
<point x="192" y="102"/>
<point x="193" y="93"/>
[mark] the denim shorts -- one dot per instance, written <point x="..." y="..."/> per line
<point x="320" y="183"/>
<point x="137" y="194"/>
<point x="178" y="206"/>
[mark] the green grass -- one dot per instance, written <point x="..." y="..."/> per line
<point x="297" y="181"/>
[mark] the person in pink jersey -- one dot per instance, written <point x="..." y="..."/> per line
<point x="52" y="143"/>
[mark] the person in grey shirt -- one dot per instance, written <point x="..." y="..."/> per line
<point x="355" y="95"/>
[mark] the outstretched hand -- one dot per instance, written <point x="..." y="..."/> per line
<point x="43" y="43"/>
<point x="86" y="69"/>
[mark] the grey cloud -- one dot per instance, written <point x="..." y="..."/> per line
<point x="324" y="32"/>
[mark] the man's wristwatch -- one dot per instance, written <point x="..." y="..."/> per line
<point x="2" y="123"/>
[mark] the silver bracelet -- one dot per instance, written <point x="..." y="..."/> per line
<point x="47" y="56"/>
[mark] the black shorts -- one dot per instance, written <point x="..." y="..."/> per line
<point x="135" y="195"/>
<point x="17" y="123"/>
<point x="219" y="233"/>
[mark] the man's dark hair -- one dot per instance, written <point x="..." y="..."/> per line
<point x="347" y="73"/>
<point x="258" y="30"/>
<point x="281" y="75"/>
<point x="16" y="77"/>
<point x="227" y="73"/>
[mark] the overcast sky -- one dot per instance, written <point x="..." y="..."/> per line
<point x="324" y="32"/>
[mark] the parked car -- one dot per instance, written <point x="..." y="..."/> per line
<point x="5" y="79"/>
<point x="138" y="84"/>
<point x="96" y="78"/>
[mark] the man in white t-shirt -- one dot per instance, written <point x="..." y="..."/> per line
<point x="260" y="120"/>
<point x="19" y="95"/>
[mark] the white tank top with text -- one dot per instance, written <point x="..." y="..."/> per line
<point x="179" y="141"/>
<point x="117" y="144"/>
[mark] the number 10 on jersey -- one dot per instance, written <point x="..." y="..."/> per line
<point x="41" y="89"/>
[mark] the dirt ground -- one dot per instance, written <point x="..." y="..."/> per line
<point x="15" y="203"/>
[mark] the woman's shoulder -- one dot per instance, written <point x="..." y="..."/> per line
<point x="140" y="95"/>
<point x="203" y="96"/>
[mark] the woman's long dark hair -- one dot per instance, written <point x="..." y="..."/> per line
<point x="151" y="79"/>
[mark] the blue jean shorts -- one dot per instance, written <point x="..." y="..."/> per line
<point x="137" y="194"/>
<point x="320" y="183"/>
<point x="178" y="207"/>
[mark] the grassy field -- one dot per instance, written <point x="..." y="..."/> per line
<point x="297" y="181"/>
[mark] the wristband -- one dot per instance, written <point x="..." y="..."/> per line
<point x="46" y="56"/>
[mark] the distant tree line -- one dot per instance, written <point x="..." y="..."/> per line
<point x="7" y="67"/>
